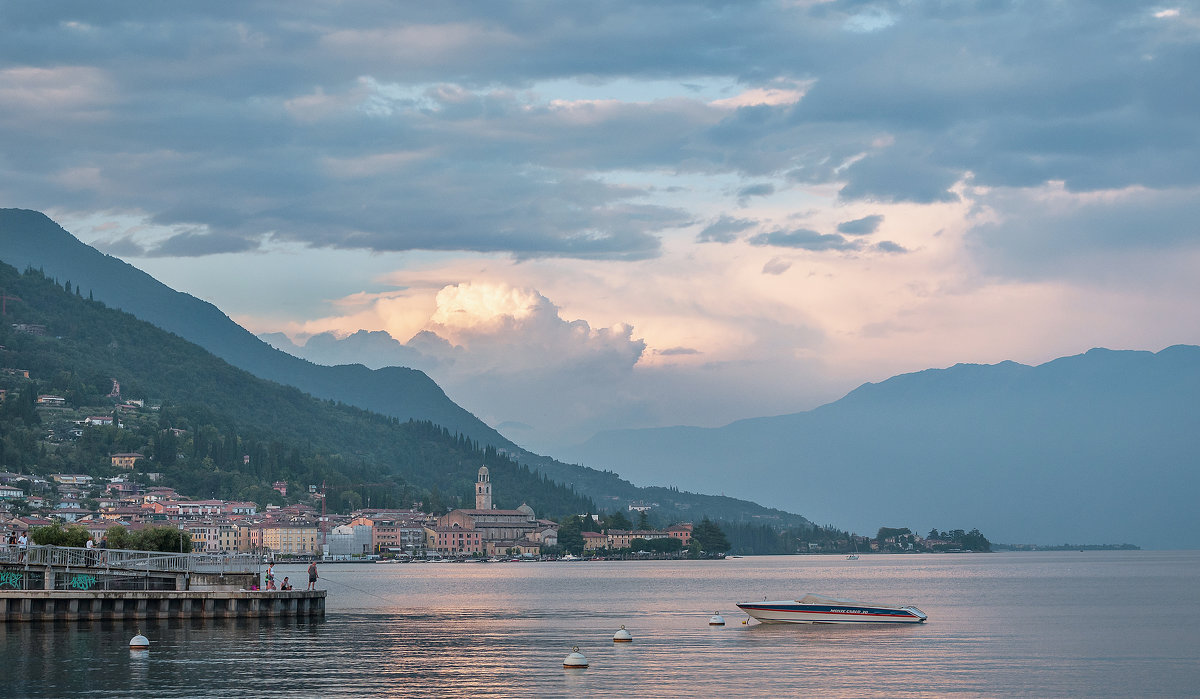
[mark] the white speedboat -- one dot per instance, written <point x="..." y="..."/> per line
<point x="815" y="609"/>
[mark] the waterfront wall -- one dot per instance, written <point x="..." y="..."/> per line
<point x="58" y="605"/>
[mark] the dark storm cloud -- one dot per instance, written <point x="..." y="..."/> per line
<point x="724" y="229"/>
<point x="861" y="226"/>
<point x="803" y="239"/>
<point x="247" y="120"/>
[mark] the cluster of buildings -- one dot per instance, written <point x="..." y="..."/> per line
<point x="613" y="539"/>
<point x="220" y="526"/>
<point x="482" y="531"/>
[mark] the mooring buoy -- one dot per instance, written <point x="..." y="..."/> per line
<point x="139" y="642"/>
<point x="575" y="659"/>
<point x="622" y="636"/>
<point x="716" y="620"/>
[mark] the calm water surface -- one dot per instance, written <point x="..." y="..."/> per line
<point x="1036" y="624"/>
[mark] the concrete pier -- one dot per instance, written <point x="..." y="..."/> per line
<point x="73" y="605"/>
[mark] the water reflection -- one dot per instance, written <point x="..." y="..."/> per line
<point x="998" y="625"/>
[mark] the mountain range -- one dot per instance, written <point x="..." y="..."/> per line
<point x="31" y="239"/>
<point x="1096" y="448"/>
<point x="1099" y="447"/>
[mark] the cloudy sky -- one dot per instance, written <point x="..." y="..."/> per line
<point x="582" y="216"/>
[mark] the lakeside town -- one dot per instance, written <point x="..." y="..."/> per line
<point x="303" y="531"/>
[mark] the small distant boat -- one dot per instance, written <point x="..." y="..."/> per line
<point x="815" y="609"/>
<point x="570" y="557"/>
<point x="852" y="557"/>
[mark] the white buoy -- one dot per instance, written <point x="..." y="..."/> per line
<point x="716" y="620"/>
<point x="622" y="636"/>
<point x="139" y="642"/>
<point x="575" y="659"/>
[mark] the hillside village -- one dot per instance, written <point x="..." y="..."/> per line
<point x="300" y="530"/>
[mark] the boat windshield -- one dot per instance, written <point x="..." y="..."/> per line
<point x="818" y="599"/>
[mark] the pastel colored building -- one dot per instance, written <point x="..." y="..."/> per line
<point x="126" y="461"/>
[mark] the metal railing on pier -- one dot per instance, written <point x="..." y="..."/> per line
<point x="124" y="559"/>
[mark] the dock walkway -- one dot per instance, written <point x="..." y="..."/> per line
<point x="57" y="583"/>
<point x="56" y="605"/>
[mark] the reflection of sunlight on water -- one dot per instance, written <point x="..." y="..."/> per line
<point x="139" y="668"/>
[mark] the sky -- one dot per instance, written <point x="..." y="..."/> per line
<point x="587" y="216"/>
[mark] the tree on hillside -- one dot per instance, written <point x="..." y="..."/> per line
<point x="975" y="541"/>
<point x="618" y="520"/>
<point x="570" y="535"/>
<point x="643" y="521"/>
<point x="889" y="532"/>
<point x="710" y="536"/>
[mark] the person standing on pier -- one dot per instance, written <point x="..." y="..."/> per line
<point x="312" y="575"/>
<point x="22" y="544"/>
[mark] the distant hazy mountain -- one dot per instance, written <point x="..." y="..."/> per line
<point x="372" y="348"/>
<point x="1100" y="447"/>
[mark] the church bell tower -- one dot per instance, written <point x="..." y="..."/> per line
<point x="483" y="490"/>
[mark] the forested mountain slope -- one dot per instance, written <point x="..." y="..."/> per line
<point x="30" y="239"/>
<point x="214" y="429"/>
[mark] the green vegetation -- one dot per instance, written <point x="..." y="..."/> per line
<point x="760" y="539"/>
<point x="671" y="545"/>
<point x="710" y="537"/>
<point x="58" y="535"/>
<point x="959" y="539"/>
<point x="617" y="520"/>
<point x="570" y="535"/>
<point x="149" y="539"/>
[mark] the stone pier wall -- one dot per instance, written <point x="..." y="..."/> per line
<point x="58" y="605"/>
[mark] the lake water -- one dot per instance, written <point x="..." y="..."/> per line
<point x="1019" y="624"/>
